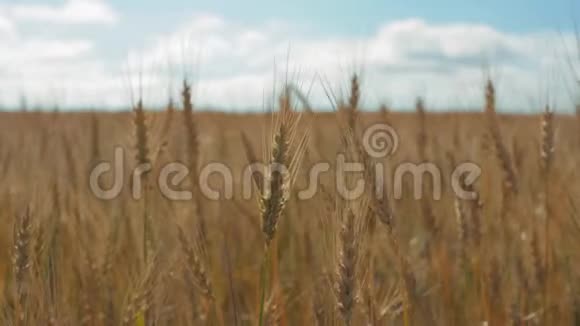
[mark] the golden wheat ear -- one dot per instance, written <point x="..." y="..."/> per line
<point x="352" y="110"/>
<point x="140" y="298"/>
<point x="510" y="182"/>
<point x="547" y="133"/>
<point x="197" y="278"/>
<point x="284" y="157"/>
<point x="191" y="129"/>
<point x="304" y="131"/>
<point x="141" y="134"/>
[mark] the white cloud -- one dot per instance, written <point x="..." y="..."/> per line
<point x="38" y="67"/>
<point x="18" y="53"/>
<point x="6" y="26"/>
<point x="401" y="60"/>
<point x="71" y="12"/>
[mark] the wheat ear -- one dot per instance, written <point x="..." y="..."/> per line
<point x="143" y="161"/>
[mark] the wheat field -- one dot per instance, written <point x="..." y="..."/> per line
<point x="506" y="256"/>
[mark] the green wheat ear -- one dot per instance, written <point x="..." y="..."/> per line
<point x="140" y="320"/>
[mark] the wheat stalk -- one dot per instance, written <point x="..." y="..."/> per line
<point x="21" y="265"/>
<point x="346" y="286"/>
<point x="429" y="219"/>
<point x="193" y="158"/>
<point x="546" y="154"/>
<point x="287" y="151"/>
<point x="143" y="160"/>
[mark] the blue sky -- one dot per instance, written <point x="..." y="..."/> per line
<point x="90" y="52"/>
